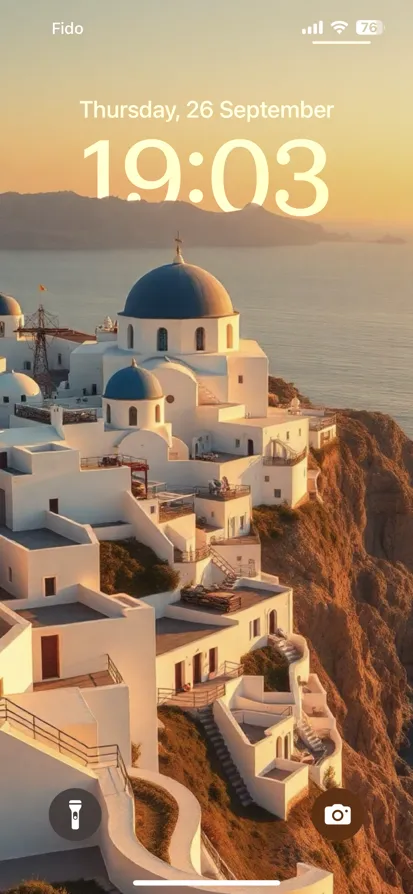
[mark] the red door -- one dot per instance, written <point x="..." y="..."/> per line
<point x="50" y="657"/>
<point x="179" y="681"/>
<point x="197" y="668"/>
<point x="212" y="661"/>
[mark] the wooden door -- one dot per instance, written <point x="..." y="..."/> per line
<point x="250" y="447"/>
<point x="179" y="677"/>
<point x="273" y="621"/>
<point x="197" y="668"/>
<point x="54" y="505"/>
<point x="50" y="657"/>
<point x="212" y="660"/>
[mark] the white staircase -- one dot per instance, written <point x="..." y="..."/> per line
<point x="205" y="396"/>
<point x="286" y="648"/>
<point x="310" y="738"/>
<point x="230" y="575"/>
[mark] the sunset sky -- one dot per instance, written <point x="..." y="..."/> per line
<point x="170" y="53"/>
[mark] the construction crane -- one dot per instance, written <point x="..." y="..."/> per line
<point x="42" y="326"/>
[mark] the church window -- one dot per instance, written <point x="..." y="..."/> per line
<point x="200" y="339"/>
<point x="23" y="398"/>
<point x="240" y="380"/>
<point x="170" y="398"/>
<point x="230" y="336"/>
<point x="277" y="493"/>
<point x="157" y="413"/>
<point x="237" y="442"/>
<point x="27" y="365"/>
<point x="130" y="336"/>
<point x="266" y="477"/>
<point x="162" y="340"/>
<point x="133" y="416"/>
<point x="94" y="389"/>
<point x="1" y="330"/>
<point x="6" y="400"/>
<point x="59" y="359"/>
<point x="108" y="414"/>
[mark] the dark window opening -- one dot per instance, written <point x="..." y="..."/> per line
<point x="50" y="586"/>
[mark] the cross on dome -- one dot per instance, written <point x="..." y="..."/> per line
<point x="178" y="259"/>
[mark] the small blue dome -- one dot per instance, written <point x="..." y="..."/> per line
<point x="9" y="307"/>
<point x="133" y="383"/>
<point x="177" y="291"/>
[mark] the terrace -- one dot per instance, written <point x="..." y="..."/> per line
<point x="63" y="613"/>
<point x="317" y="423"/>
<point x="105" y="675"/>
<point x="216" y="490"/>
<point x="172" y="633"/>
<point x="37" y="538"/>
<point x="221" y="601"/>
<point x="291" y="460"/>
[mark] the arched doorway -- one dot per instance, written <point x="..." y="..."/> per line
<point x="272" y="619"/>
<point x="286" y="747"/>
<point x="279" y="747"/>
<point x="250" y="447"/>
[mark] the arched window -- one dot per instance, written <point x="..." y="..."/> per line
<point x="279" y="752"/>
<point x="130" y="336"/>
<point x="286" y="748"/>
<point x="200" y="339"/>
<point x="1" y="330"/>
<point x="133" y="416"/>
<point x="108" y="414"/>
<point x="162" y="340"/>
<point x="157" y="413"/>
<point x="230" y="336"/>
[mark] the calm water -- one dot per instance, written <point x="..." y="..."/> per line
<point x="335" y="319"/>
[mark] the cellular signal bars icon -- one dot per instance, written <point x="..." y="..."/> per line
<point x="317" y="28"/>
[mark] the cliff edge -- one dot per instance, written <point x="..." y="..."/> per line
<point x="350" y="561"/>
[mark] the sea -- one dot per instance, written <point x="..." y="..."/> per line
<point x="335" y="319"/>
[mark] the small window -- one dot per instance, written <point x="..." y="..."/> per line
<point x="169" y="398"/>
<point x="239" y="558"/>
<point x="27" y="365"/>
<point x="108" y="414"/>
<point x="54" y="505"/>
<point x="59" y="359"/>
<point x="237" y="442"/>
<point x="133" y="416"/>
<point x="6" y="400"/>
<point x="212" y="514"/>
<point x="200" y="339"/>
<point x="129" y="337"/>
<point x="157" y="413"/>
<point x="10" y="574"/>
<point x="1" y="330"/>
<point x="256" y="627"/>
<point x="94" y="389"/>
<point x="153" y="510"/>
<point x="162" y="340"/>
<point x="277" y="493"/>
<point x="230" y="336"/>
<point x="240" y="380"/>
<point x="266" y="478"/>
<point x="242" y="522"/>
<point x="288" y="436"/>
<point x="23" y="398"/>
<point x="50" y="586"/>
<point x="299" y="432"/>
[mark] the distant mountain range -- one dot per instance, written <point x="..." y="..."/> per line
<point x="65" y="220"/>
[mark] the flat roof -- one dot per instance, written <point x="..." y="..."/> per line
<point x="64" y="613"/>
<point x="39" y="538"/>
<point x="174" y="632"/>
<point x="249" y="597"/>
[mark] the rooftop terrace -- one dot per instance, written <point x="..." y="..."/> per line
<point x="39" y="538"/>
<point x="174" y="632"/>
<point x="64" y="613"/>
<point x="248" y="597"/>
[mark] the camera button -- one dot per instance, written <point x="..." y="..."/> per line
<point x="338" y="814"/>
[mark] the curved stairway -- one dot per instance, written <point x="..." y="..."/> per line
<point x="206" y="717"/>
<point x="310" y="738"/>
<point x="286" y="647"/>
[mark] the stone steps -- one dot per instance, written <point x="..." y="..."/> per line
<point x="229" y="768"/>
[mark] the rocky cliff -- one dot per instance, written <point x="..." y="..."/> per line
<point x="350" y="561"/>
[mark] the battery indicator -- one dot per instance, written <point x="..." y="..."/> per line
<point x="369" y="27"/>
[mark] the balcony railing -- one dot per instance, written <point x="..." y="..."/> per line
<point x="213" y="492"/>
<point x="43" y="414"/>
<point x="167" y="513"/>
<point x="323" y="422"/>
<point x="235" y="541"/>
<point x="290" y="460"/>
<point x="112" y="460"/>
<point x="192" y="698"/>
<point x="192" y="555"/>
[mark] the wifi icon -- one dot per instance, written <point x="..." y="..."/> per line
<point x="339" y="27"/>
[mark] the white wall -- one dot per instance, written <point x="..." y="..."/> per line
<point x="16" y="662"/>
<point x="146" y="531"/>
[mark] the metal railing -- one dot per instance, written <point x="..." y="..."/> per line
<point x="113" y="460"/>
<point x="240" y="539"/>
<point x="214" y="493"/>
<point x="323" y="422"/>
<point x="42" y="730"/>
<point x="216" y="858"/>
<point x="230" y="669"/>
<point x="167" y="513"/>
<point x="192" y="698"/>
<point x="113" y="670"/>
<point x="285" y="460"/>
<point x="193" y="555"/>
